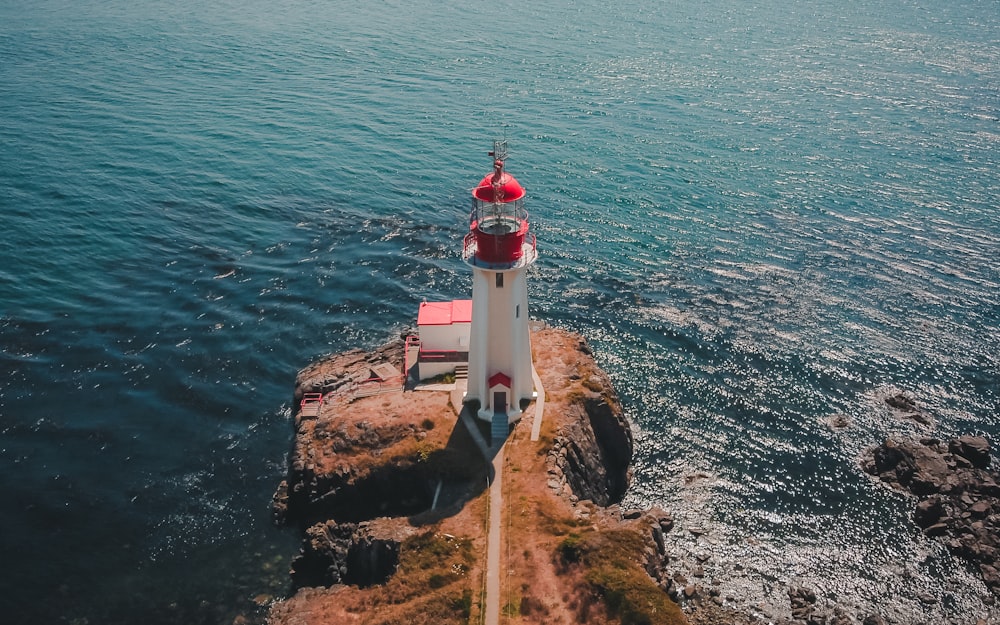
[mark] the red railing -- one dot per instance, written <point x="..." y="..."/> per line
<point x="312" y="403"/>
<point x="427" y="355"/>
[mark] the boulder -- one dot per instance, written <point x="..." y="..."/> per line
<point x="975" y="449"/>
<point x="929" y="512"/>
<point x="930" y="471"/>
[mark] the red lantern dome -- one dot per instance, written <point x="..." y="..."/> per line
<point x="508" y="189"/>
<point x="498" y="236"/>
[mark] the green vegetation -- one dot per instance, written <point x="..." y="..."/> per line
<point x="433" y="578"/>
<point x="444" y="378"/>
<point x="463" y="604"/>
<point x="611" y="566"/>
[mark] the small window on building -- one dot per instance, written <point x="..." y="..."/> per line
<point x="517" y="311"/>
<point x="499" y="280"/>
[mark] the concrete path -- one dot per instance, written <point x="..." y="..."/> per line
<point x="536" y="424"/>
<point x="494" y="454"/>
<point x="493" y="543"/>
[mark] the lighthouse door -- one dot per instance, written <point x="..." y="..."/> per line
<point x="500" y="402"/>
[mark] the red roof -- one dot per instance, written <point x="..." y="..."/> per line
<point x="510" y="189"/>
<point x="445" y="313"/>
<point x="499" y="379"/>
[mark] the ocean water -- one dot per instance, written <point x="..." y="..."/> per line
<point x="761" y="214"/>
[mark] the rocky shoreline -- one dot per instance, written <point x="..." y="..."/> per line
<point x="388" y="494"/>
<point x="958" y="495"/>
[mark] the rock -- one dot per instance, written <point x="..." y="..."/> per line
<point x="839" y="421"/>
<point x="886" y="457"/>
<point x="938" y="529"/>
<point x="958" y="496"/>
<point x="323" y="554"/>
<point x="802" y="613"/>
<point x="873" y="619"/>
<point x="906" y="408"/>
<point x="279" y="504"/>
<point x="632" y="514"/>
<point x="661" y="546"/>
<point x="981" y="508"/>
<point x="928" y="512"/>
<point x="595" y="449"/>
<point x="902" y="402"/>
<point x="371" y="559"/>
<point x="666" y="524"/>
<point x="975" y="449"/>
<point x="839" y="618"/>
<point x="801" y="596"/>
<point x="930" y="471"/>
<point x="990" y="575"/>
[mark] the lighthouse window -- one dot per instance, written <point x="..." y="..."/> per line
<point x="517" y="311"/>
<point x="499" y="280"/>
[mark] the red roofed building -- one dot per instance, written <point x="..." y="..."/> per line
<point x="443" y="328"/>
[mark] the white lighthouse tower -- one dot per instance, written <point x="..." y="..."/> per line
<point x="499" y="249"/>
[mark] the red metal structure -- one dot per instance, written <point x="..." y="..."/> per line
<point x="499" y="223"/>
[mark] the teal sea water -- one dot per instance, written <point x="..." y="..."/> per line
<point x="762" y="214"/>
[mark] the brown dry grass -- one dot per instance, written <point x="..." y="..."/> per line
<point x="409" y="424"/>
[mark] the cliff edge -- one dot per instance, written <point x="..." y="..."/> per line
<point x="389" y="492"/>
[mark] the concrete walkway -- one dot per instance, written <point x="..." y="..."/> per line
<point x="536" y="423"/>
<point x="493" y="543"/>
<point x="494" y="454"/>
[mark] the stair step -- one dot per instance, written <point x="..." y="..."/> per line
<point x="499" y="427"/>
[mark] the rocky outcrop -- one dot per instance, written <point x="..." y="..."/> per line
<point x="906" y="407"/>
<point x="338" y="371"/>
<point x="959" y="496"/>
<point x="344" y="553"/>
<point x="593" y="452"/>
<point x="369" y="476"/>
<point x="361" y="468"/>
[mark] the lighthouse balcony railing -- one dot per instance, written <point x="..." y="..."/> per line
<point x="471" y="249"/>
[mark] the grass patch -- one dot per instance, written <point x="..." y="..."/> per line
<point x="444" y="378"/>
<point x="611" y="564"/>
<point x="552" y="520"/>
<point x="432" y="581"/>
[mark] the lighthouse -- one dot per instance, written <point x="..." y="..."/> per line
<point x="499" y="249"/>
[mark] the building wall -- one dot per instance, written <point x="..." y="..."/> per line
<point x="428" y="370"/>
<point x="453" y="337"/>
<point x="500" y="340"/>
